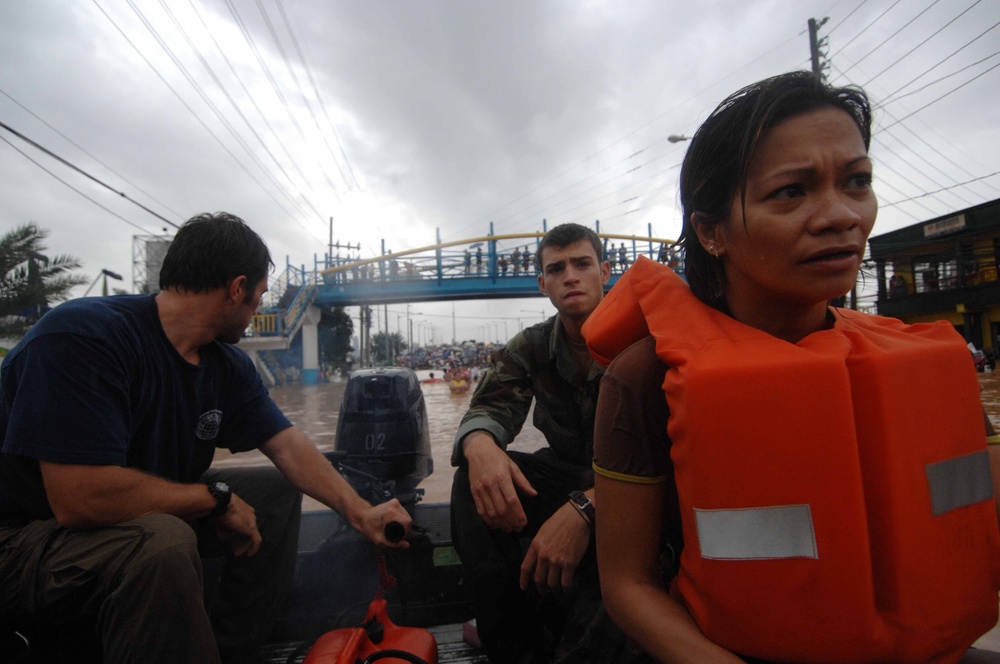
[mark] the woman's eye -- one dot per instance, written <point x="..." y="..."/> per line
<point x="788" y="192"/>
<point x="860" y="181"/>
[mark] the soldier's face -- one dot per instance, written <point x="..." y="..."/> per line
<point x="573" y="278"/>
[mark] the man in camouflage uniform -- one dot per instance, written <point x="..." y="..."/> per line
<point x="528" y="604"/>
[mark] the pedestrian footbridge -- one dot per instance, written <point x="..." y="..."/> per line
<point x="488" y="267"/>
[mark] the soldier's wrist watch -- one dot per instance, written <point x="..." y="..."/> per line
<point x="580" y="501"/>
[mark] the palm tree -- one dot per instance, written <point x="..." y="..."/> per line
<point x="29" y="281"/>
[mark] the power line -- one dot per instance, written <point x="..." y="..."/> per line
<point x="197" y="117"/>
<point x="84" y="173"/>
<point x="246" y="91"/>
<point x="232" y="102"/>
<point x="274" y="84"/>
<point x="865" y="29"/>
<point x="931" y="193"/>
<point x="887" y="39"/>
<point x="83" y="150"/>
<point x="941" y="62"/>
<point x="305" y="98"/>
<point x="908" y="180"/>
<point x="953" y="90"/>
<point x="846" y="18"/>
<point x="114" y="214"/>
<point x="943" y="78"/>
<point x="931" y="36"/>
<point x="888" y="131"/>
<point x="319" y="97"/>
<point x="215" y="109"/>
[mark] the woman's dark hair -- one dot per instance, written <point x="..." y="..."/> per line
<point x="564" y="235"/>
<point x="718" y="159"/>
<point x="210" y="250"/>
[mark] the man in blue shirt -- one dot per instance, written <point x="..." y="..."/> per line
<point x="111" y="412"/>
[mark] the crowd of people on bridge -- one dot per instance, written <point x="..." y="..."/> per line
<point x="474" y="262"/>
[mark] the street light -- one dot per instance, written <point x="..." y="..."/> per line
<point x="105" y="274"/>
<point x="409" y="324"/>
<point x="674" y="138"/>
<point x="540" y="312"/>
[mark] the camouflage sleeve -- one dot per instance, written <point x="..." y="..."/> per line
<point x="502" y="400"/>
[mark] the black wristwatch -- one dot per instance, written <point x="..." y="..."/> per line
<point x="582" y="503"/>
<point x="222" y="494"/>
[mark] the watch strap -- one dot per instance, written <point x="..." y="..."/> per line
<point x="582" y="503"/>
<point x="222" y="494"/>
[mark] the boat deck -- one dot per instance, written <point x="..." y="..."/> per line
<point x="452" y="649"/>
<point x="336" y="578"/>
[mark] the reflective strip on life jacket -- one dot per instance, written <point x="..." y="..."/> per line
<point x="959" y="482"/>
<point x="760" y="533"/>
<point x="786" y="531"/>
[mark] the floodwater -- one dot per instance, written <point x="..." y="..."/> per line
<point x="314" y="409"/>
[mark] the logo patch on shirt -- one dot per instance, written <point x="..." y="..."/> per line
<point x="208" y="425"/>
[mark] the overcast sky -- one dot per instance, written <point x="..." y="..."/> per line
<point x="400" y="118"/>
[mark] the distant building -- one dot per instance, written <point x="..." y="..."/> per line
<point x="944" y="269"/>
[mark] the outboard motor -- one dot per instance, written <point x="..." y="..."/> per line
<point x="383" y="449"/>
<point x="382" y="431"/>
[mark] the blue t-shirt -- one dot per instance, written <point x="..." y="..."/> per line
<point x="97" y="382"/>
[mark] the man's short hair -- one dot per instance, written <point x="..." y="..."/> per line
<point x="210" y="250"/>
<point x="564" y="235"/>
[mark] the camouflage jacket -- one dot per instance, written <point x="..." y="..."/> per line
<point x="536" y="364"/>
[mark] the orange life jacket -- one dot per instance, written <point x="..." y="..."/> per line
<point x="835" y="493"/>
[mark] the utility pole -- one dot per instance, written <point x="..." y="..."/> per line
<point x="817" y="54"/>
<point x="388" y="347"/>
<point x="337" y="259"/>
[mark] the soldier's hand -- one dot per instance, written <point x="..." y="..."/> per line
<point x="556" y="551"/>
<point x="494" y="480"/>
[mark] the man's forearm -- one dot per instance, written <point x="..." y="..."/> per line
<point x="94" y="496"/>
<point x="312" y="474"/>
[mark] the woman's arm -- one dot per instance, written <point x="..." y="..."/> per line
<point x="628" y="548"/>
<point x="994" y="452"/>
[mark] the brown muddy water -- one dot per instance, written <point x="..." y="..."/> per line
<point x="314" y="409"/>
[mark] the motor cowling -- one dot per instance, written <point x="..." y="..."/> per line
<point x="382" y="429"/>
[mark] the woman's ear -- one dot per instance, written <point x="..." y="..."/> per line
<point x="709" y="235"/>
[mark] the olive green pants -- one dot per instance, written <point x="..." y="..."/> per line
<point x="141" y="582"/>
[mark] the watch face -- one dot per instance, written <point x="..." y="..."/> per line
<point x="222" y="486"/>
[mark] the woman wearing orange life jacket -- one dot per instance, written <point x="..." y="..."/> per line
<point x="831" y="510"/>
